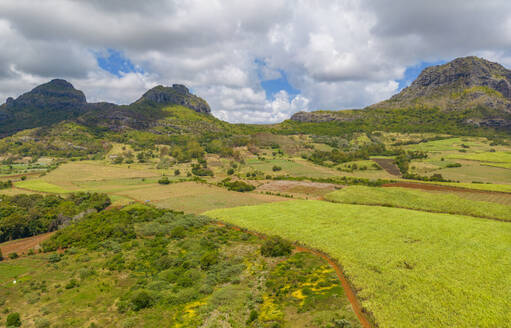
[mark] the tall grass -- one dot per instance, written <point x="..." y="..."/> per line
<point x="410" y="268"/>
<point x="419" y="200"/>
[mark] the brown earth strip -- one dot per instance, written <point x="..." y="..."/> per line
<point x="388" y="165"/>
<point x="434" y="187"/>
<point x="21" y="246"/>
<point x="348" y="289"/>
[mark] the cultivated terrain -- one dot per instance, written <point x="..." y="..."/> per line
<point x="159" y="214"/>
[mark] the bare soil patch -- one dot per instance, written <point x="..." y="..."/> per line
<point x="21" y="246"/>
<point x="306" y="188"/>
<point x="388" y="165"/>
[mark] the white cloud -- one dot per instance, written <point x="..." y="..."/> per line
<point x="339" y="54"/>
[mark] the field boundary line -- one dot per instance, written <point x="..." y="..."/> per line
<point x="349" y="291"/>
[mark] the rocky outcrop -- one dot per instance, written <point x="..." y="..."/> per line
<point x="178" y="94"/>
<point x="463" y="83"/>
<point x="326" y="116"/>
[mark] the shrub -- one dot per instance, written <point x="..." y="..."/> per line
<point x="276" y="246"/>
<point x="252" y="316"/>
<point x="239" y="186"/>
<point x="42" y="323"/>
<point x="453" y="165"/>
<point x="177" y="172"/>
<point x="230" y="171"/>
<point x="13" y="255"/>
<point x="164" y="180"/>
<point x="276" y="168"/>
<point x="1" y="256"/>
<point x="13" y="320"/>
<point x="72" y="284"/>
<point x="23" y="178"/>
<point x="141" y="300"/>
<point x="54" y="258"/>
<point x="208" y="259"/>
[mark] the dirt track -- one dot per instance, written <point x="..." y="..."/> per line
<point x="21" y="246"/>
<point x="348" y="290"/>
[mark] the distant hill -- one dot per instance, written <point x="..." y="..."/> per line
<point x="58" y="100"/>
<point x="474" y="89"/>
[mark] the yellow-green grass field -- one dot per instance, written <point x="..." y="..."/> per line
<point x="474" y="186"/>
<point x="41" y="186"/>
<point x="452" y="144"/>
<point x="497" y="157"/>
<point x="475" y="171"/>
<point x="410" y="268"/>
<point x="419" y="200"/>
<point x="291" y="167"/>
<point x="191" y="197"/>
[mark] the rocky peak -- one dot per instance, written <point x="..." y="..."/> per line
<point x="463" y="83"/>
<point x="178" y="94"/>
<point x="57" y="93"/>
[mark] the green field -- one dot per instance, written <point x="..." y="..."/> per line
<point x="497" y="157"/>
<point x="410" y="268"/>
<point x="419" y="200"/>
<point x="42" y="186"/>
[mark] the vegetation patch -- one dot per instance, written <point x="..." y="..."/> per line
<point x="419" y="200"/>
<point x="408" y="266"/>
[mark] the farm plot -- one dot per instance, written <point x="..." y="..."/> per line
<point x="419" y="200"/>
<point x="192" y="197"/>
<point x="410" y="268"/>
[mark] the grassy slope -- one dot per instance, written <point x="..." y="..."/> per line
<point x="419" y="200"/>
<point x="411" y="268"/>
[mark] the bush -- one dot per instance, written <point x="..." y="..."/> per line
<point x="230" y="171"/>
<point x="13" y="255"/>
<point x="208" y="259"/>
<point x="276" y="246"/>
<point x="177" y="172"/>
<point x="54" y="258"/>
<point x="13" y="320"/>
<point x="453" y="165"/>
<point x="239" y="186"/>
<point x="72" y="284"/>
<point x="252" y="317"/>
<point x="164" y="180"/>
<point x="276" y="168"/>
<point x="141" y="300"/>
<point x="1" y="256"/>
<point x="42" y="323"/>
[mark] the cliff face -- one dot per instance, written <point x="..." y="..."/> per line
<point x="478" y="89"/>
<point x="463" y="83"/>
<point x="178" y="94"/>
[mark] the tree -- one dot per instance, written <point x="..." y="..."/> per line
<point x="13" y="320"/>
<point x="276" y="246"/>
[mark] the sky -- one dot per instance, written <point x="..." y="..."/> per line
<point x="253" y="61"/>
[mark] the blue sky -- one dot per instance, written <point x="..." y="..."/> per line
<point x="115" y="62"/>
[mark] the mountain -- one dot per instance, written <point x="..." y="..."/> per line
<point x="468" y="90"/>
<point x="463" y="83"/>
<point x="46" y="104"/>
<point x="58" y="101"/>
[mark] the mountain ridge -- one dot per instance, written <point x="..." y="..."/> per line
<point x="58" y="100"/>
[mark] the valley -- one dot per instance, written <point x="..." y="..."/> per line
<point x="158" y="213"/>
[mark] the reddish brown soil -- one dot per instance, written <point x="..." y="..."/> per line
<point x="388" y="165"/>
<point x="350" y="293"/>
<point x="433" y="187"/>
<point x="21" y="246"/>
